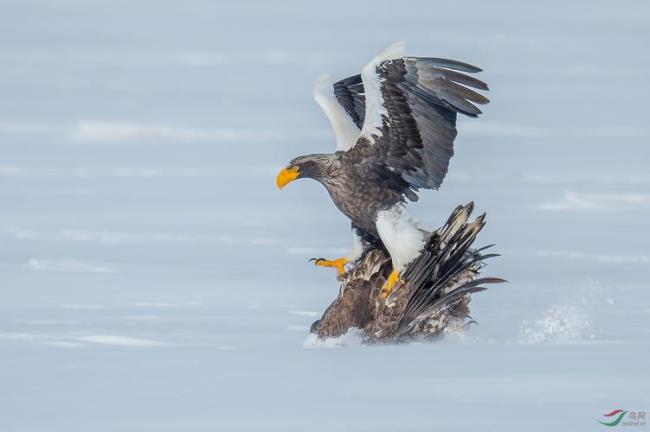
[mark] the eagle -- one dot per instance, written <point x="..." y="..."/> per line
<point x="433" y="296"/>
<point x="395" y="125"/>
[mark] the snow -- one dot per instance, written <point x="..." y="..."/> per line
<point x="119" y="341"/>
<point x="154" y="278"/>
<point x="67" y="265"/>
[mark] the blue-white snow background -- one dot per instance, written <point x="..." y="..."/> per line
<point x="154" y="278"/>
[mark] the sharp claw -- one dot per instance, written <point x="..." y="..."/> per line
<point x="334" y="263"/>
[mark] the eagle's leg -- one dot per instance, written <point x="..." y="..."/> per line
<point x="403" y="237"/>
<point x="338" y="264"/>
<point x="389" y="286"/>
<point x="358" y="247"/>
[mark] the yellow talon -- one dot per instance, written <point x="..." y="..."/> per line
<point x="390" y="284"/>
<point x="338" y="264"/>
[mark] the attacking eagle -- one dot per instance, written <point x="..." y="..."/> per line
<point x="395" y="125"/>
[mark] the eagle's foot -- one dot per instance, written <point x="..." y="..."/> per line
<point x="338" y="264"/>
<point x="389" y="286"/>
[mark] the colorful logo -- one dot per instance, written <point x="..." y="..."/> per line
<point x="619" y="417"/>
<point x="615" y="417"/>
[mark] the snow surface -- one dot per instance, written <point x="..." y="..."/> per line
<point x="154" y="279"/>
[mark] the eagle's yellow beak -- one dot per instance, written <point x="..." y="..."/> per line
<point x="286" y="176"/>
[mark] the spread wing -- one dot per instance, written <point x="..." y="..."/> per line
<point x="409" y="124"/>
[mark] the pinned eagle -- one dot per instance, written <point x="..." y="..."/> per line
<point x="395" y="125"/>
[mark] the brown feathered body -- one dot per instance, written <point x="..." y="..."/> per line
<point x="358" y="194"/>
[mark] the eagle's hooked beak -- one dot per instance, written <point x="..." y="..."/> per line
<point x="287" y="175"/>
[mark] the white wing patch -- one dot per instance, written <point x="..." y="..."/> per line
<point x="375" y="109"/>
<point x="345" y="130"/>
<point x="401" y="234"/>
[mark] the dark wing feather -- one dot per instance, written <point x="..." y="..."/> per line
<point x="422" y="98"/>
<point x="350" y="95"/>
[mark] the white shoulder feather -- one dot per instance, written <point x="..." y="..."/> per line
<point x="375" y="109"/>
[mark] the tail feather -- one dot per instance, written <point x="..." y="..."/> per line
<point x="445" y="272"/>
